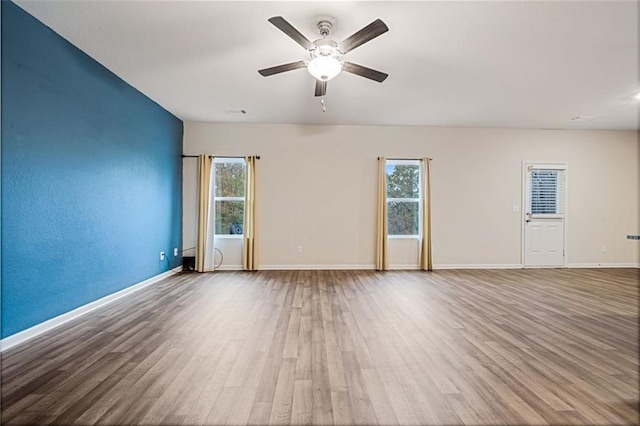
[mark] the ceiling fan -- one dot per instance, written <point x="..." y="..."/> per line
<point x="325" y="53"/>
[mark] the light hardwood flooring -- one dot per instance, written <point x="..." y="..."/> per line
<point x="342" y="347"/>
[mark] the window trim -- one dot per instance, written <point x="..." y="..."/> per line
<point x="406" y="162"/>
<point x="229" y="160"/>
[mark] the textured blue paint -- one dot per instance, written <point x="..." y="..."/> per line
<point x="91" y="178"/>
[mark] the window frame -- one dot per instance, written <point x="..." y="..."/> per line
<point x="214" y="198"/>
<point x="405" y="162"/>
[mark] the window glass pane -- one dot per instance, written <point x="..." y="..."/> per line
<point x="229" y="217"/>
<point x="403" y="217"/>
<point x="544" y="191"/>
<point x="403" y="181"/>
<point x="229" y="179"/>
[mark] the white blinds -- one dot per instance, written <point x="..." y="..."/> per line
<point x="545" y="192"/>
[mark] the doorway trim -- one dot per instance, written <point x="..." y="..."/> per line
<point x="523" y="206"/>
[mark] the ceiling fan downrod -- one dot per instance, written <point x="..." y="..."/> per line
<point x="324" y="28"/>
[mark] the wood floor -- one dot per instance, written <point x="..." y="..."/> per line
<point x="342" y="347"/>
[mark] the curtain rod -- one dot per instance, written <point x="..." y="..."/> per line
<point x="398" y="158"/>
<point x="217" y="156"/>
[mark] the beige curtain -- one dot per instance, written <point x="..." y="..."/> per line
<point x="425" y="254"/>
<point x="382" y="257"/>
<point x="249" y="255"/>
<point x="203" y="249"/>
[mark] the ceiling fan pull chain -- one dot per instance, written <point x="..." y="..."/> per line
<point x="324" y="109"/>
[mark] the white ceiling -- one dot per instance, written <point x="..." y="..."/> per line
<point x="458" y="64"/>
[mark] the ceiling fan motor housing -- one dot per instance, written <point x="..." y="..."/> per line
<point x="325" y="47"/>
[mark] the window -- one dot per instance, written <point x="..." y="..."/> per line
<point x="403" y="197"/>
<point x="546" y="192"/>
<point x="229" y="189"/>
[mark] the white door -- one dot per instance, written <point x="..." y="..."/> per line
<point x="544" y="218"/>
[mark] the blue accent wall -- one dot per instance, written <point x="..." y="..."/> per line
<point x="91" y="178"/>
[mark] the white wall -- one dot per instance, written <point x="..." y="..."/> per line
<point x="317" y="189"/>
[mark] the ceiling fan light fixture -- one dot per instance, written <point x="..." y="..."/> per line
<point x="324" y="68"/>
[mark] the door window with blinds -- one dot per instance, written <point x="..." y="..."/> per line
<point x="546" y="191"/>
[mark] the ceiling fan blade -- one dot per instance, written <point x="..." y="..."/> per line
<point x="289" y="30"/>
<point x="364" y="72"/>
<point x="321" y="88"/>
<point x="366" y="34"/>
<point x="282" y="68"/>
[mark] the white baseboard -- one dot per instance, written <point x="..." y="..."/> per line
<point x="479" y="266"/>
<point x="314" y="267"/>
<point x="417" y="268"/>
<point x="519" y="266"/>
<point x="36" y="330"/>
<point x="404" y="267"/>
<point x="229" y="268"/>
<point x="603" y="265"/>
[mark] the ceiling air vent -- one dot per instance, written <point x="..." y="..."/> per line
<point x="235" y="111"/>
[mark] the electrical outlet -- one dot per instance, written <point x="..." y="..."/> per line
<point x="603" y="249"/>
<point x="161" y="255"/>
<point x="299" y="249"/>
<point x="175" y="251"/>
<point x="515" y="208"/>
